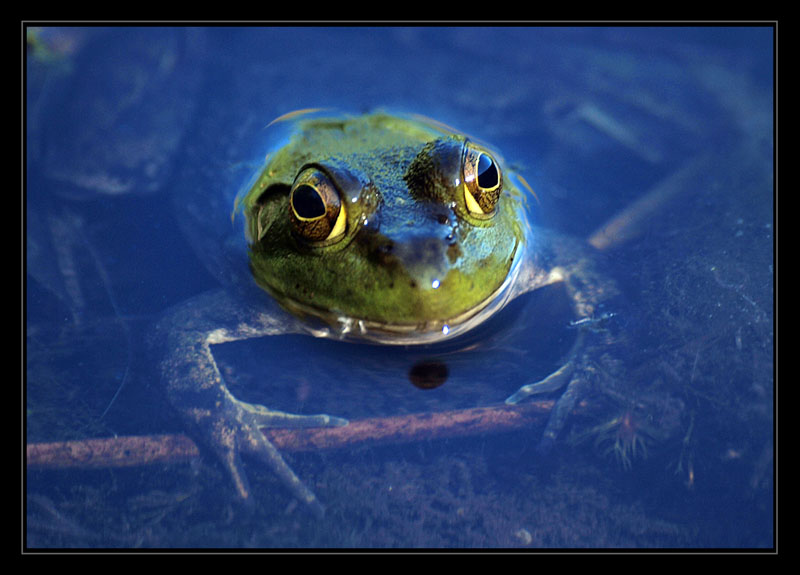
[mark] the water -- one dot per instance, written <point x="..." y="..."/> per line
<point x="668" y="130"/>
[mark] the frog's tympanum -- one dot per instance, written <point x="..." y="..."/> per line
<point x="390" y="229"/>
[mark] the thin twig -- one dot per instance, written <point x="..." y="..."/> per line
<point x="153" y="449"/>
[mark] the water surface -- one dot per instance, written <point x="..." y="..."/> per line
<point x="666" y="130"/>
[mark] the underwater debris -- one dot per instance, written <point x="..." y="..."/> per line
<point x="146" y="450"/>
<point x="635" y="425"/>
<point x="626" y="436"/>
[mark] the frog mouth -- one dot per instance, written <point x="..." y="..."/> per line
<point x="335" y="325"/>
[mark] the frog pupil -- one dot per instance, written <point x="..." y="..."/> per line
<point x="307" y="202"/>
<point x="487" y="172"/>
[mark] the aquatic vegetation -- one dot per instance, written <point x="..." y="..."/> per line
<point x="626" y="436"/>
<point x="630" y="427"/>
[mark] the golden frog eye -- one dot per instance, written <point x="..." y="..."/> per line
<point x="315" y="208"/>
<point x="483" y="182"/>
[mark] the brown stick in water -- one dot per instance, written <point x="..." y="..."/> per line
<point x="153" y="449"/>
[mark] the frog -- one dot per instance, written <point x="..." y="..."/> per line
<point x="381" y="228"/>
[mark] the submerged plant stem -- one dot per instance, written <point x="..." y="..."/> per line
<point x="146" y="450"/>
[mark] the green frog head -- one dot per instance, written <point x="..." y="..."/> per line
<point x="393" y="228"/>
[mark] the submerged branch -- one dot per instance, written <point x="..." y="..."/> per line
<point x="153" y="449"/>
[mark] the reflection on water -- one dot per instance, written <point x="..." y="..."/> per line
<point x="657" y="143"/>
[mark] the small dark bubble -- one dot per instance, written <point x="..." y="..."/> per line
<point x="428" y="374"/>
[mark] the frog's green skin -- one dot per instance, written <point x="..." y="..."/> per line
<point x="409" y="257"/>
<point x="412" y="259"/>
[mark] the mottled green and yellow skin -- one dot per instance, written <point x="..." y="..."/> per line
<point x="412" y="255"/>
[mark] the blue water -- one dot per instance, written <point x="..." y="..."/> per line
<point x="127" y="130"/>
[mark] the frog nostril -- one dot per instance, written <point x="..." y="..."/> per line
<point x="443" y="219"/>
<point x="386" y="249"/>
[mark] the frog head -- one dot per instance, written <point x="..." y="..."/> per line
<point x="396" y="229"/>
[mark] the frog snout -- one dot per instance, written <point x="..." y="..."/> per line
<point x="422" y="258"/>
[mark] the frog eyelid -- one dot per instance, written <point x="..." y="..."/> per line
<point x="319" y="168"/>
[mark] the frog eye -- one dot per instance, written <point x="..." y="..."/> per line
<point x="482" y="182"/>
<point x="315" y="208"/>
